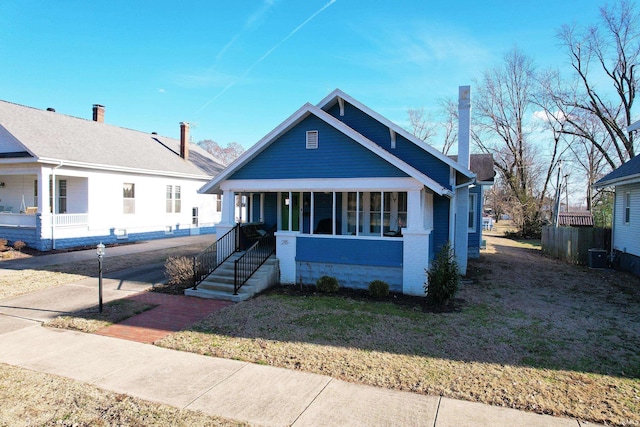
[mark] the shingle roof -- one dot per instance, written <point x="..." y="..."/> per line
<point x="481" y="165"/>
<point x="627" y="172"/>
<point x="51" y="136"/>
<point x="575" y="219"/>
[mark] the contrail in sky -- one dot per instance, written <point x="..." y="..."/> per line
<point x="263" y="57"/>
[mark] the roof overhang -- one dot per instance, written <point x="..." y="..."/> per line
<point x="213" y="186"/>
<point x="623" y="180"/>
<point x="121" y="169"/>
<point x="338" y="96"/>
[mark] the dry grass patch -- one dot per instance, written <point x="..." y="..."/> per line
<point x="91" y="320"/>
<point x="530" y="333"/>
<point x="22" y="282"/>
<point x="33" y="398"/>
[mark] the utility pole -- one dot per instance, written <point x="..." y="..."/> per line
<point x="556" y="210"/>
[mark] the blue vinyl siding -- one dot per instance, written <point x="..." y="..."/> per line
<point x="383" y="253"/>
<point x="405" y="150"/>
<point x="337" y="156"/>
<point x="440" y="233"/>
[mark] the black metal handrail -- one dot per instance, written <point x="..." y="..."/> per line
<point x="253" y="258"/>
<point x="209" y="259"/>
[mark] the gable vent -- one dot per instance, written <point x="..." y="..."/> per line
<point x="312" y="139"/>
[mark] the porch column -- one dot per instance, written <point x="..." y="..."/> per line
<point x="415" y="246"/>
<point x="415" y="212"/>
<point x="43" y="191"/>
<point x="228" y="213"/>
<point x="415" y="260"/>
<point x="286" y="254"/>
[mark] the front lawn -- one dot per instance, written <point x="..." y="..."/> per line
<point x="529" y="333"/>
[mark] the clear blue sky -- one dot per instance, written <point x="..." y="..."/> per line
<point x="235" y="70"/>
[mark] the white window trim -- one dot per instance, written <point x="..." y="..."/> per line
<point x="627" y="208"/>
<point x="473" y="199"/>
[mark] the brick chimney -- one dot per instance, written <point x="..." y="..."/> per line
<point x="98" y="113"/>
<point x="184" y="140"/>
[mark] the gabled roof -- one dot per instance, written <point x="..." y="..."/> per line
<point x="335" y="96"/>
<point x="482" y="166"/>
<point x="51" y="137"/>
<point x="628" y="173"/>
<point x="303" y="112"/>
<point x="575" y="219"/>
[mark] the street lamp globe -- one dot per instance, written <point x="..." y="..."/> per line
<point x="100" y="250"/>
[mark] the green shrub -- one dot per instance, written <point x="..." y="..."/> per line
<point x="327" y="284"/>
<point x="443" y="277"/>
<point x="179" y="271"/>
<point x="378" y="289"/>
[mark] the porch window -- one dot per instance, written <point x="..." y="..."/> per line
<point x="35" y="193"/>
<point x="354" y="213"/>
<point x="627" y="207"/>
<point x="218" y="203"/>
<point x="129" y="198"/>
<point x="472" y="213"/>
<point x="344" y="213"/>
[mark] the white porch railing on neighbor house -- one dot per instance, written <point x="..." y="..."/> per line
<point x="17" y="220"/>
<point x="59" y="220"/>
<point x="70" y="220"/>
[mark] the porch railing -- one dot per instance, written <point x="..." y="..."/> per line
<point x="63" y="220"/>
<point x="209" y="259"/>
<point x="253" y="258"/>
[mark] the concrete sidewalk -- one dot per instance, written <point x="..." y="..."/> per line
<point x="260" y="395"/>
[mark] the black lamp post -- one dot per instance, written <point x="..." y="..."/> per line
<point x="100" y="252"/>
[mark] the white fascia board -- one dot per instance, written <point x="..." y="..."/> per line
<point x="321" y="184"/>
<point x="100" y="167"/>
<point x="212" y="186"/>
<point x="633" y="126"/>
<point x="624" y="180"/>
<point x="215" y="184"/>
<point x="328" y="100"/>
<point x="381" y="152"/>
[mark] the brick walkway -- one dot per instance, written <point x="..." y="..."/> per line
<point x="173" y="313"/>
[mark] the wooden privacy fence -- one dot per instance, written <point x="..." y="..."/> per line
<point x="573" y="243"/>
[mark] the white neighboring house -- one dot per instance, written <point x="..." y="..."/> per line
<point x="625" y="235"/>
<point x="69" y="182"/>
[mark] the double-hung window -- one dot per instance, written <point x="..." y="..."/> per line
<point x="472" y="213"/>
<point x="627" y="207"/>
<point x="173" y="199"/>
<point x="129" y="198"/>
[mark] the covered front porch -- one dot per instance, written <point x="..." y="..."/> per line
<point x="355" y="233"/>
<point x="37" y="204"/>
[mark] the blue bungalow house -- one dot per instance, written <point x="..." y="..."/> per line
<point x="355" y="196"/>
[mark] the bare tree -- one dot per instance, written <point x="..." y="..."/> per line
<point x="449" y="123"/>
<point x="608" y="50"/>
<point x="504" y="101"/>
<point x="422" y="126"/>
<point x="427" y="128"/>
<point x="226" y="154"/>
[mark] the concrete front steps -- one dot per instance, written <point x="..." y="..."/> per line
<point x="219" y="284"/>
